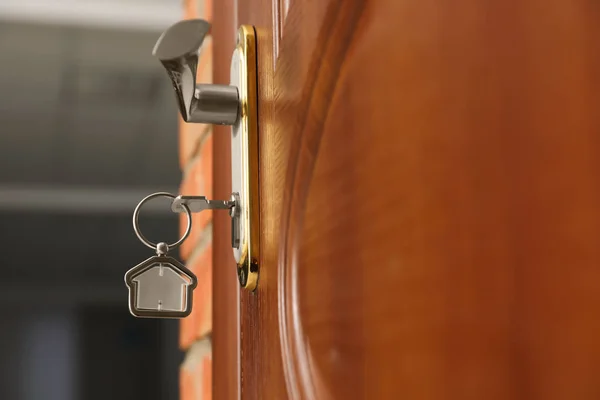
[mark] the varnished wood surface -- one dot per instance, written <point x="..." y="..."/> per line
<point x="429" y="201"/>
<point x="225" y="335"/>
<point x="261" y="366"/>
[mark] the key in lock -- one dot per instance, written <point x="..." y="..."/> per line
<point x="161" y="286"/>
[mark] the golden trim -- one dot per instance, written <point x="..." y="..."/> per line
<point x="249" y="259"/>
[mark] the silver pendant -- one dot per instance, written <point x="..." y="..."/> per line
<point x="161" y="286"/>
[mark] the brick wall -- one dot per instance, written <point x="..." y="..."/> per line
<point x="195" y="153"/>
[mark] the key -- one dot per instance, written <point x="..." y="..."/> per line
<point x="200" y="203"/>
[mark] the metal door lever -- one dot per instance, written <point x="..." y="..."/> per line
<point x="178" y="51"/>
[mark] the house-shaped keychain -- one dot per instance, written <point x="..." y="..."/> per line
<point x="160" y="287"/>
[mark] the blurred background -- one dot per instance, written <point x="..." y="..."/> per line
<point x="87" y="129"/>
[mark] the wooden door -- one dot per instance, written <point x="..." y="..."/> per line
<point x="430" y="190"/>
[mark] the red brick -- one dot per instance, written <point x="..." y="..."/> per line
<point x="199" y="323"/>
<point x="197" y="182"/>
<point x="198" y="9"/>
<point x="208" y="10"/>
<point x="195" y="156"/>
<point x="187" y="385"/>
<point x="205" y="62"/>
<point x="207" y="377"/>
<point x="195" y="374"/>
<point x="190" y="9"/>
<point x="190" y="137"/>
<point x="206" y="165"/>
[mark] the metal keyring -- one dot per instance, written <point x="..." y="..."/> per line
<point x="136" y="214"/>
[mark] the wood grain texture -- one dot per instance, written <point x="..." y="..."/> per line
<point x="261" y="355"/>
<point x="429" y="201"/>
<point x="226" y="334"/>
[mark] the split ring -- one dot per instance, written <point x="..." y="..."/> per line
<point x="138" y="232"/>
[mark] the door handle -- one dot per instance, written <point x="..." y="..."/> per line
<point x="178" y="50"/>
<point x="234" y="104"/>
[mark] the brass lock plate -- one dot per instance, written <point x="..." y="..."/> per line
<point x="244" y="160"/>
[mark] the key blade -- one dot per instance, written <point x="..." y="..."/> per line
<point x="198" y="203"/>
<point x="194" y="203"/>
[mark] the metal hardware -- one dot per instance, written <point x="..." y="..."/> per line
<point x="199" y="203"/>
<point x="160" y="287"/>
<point x="244" y="159"/>
<point x="178" y="51"/>
<point x="234" y="104"/>
<point x="138" y="232"/>
<point x="234" y="213"/>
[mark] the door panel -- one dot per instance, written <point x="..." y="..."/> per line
<point x="429" y="187"/>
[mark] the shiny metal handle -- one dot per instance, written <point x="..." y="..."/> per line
<point x="178" y="50"/>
